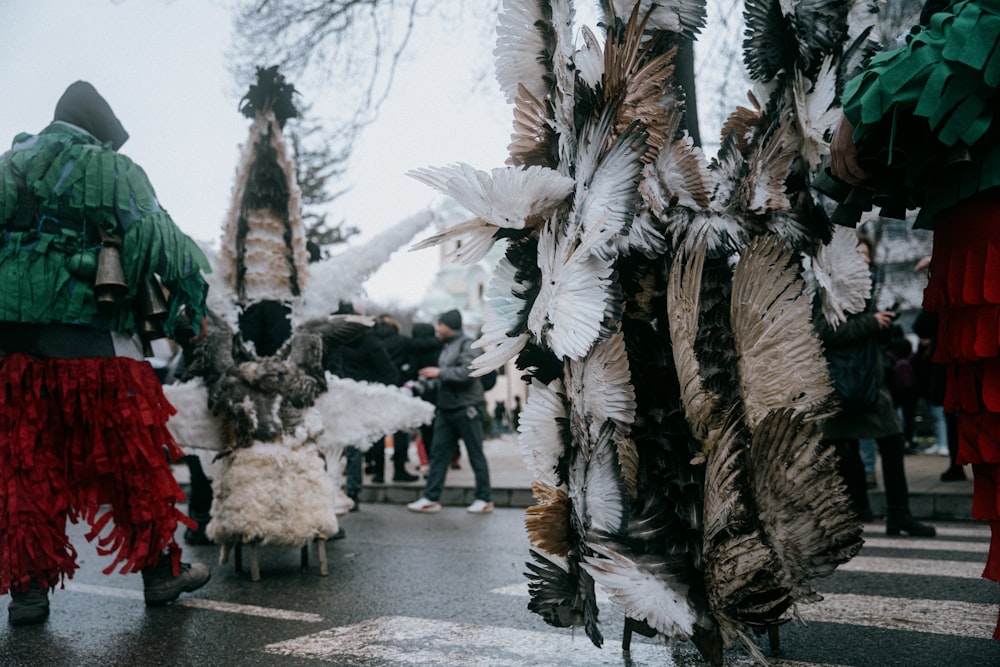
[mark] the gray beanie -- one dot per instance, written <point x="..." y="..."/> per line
<point x="451" y="319"/>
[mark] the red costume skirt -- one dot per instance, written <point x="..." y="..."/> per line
<point x="964" y="288"/>
<point x="83" y="438"/>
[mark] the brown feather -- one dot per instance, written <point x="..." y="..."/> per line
<point x="547" y="522"/>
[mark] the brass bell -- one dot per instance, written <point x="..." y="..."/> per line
<point x="152" y="304"/>
<point x="110" y="286"/>
<point x="152" y="313"/>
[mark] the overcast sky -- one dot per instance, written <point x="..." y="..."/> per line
<point x="161" y="67"/>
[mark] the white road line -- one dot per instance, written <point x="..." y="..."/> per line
<point x="941" y="617"/>
<point x="202" y="603"/>
<point x="973" y="529"/>
<point x="944" y="617"/>
<point x="921" y="566"/>
<point x="927" y="545"/>
<point x="402" y="640"/>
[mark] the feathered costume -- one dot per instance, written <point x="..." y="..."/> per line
<point x="82" y="415"/>
<point x="658" y="307"/>
<point x="279" y="422"/>
<point x="925" y="127"/>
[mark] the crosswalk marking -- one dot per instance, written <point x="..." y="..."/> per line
<point x="202" y="603"/>
<point x="942" y="617"/>
<point x="927" y="545"/>
<point x="976" y="530"/>
<point x="923" y="566"/>
<point x="402" y="640"/>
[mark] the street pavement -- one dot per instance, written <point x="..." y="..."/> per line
<point x="448" y="589"/>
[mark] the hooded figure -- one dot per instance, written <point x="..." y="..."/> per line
<point x="82" y="415"/>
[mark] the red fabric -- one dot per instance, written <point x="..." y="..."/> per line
<point x="964" y="287"/>
<point x="83" y="439"/>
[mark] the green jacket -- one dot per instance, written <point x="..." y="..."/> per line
<point x="924" y="114"/>
<point x="47" y="269"/>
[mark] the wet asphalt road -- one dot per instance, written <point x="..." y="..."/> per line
<point x="447" y="589"/>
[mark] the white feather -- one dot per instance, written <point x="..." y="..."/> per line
<point x="569" y="310"/>
<point x="520" y="49"/>
<point x="816" y="111"/>
<point x="509" y="197"/>
<point x="841" y="275"/>
<point x="643" y="590"/>
<point x="601" y="387"/>
<point x="339" y="277"/>
<point x="345" y="424"/>
<point x="589" y="58"/>
<point x="541" y="427"/>
<point x="474" y="240"/>
<point x="504" y="312"/>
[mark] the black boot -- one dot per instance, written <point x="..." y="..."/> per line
<point x="197" y="536"/>
<point x="400" y="475"/>
<point x="903" y="522"/>
<point x="29" y="607"/>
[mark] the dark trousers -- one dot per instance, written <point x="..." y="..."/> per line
<point x="450" y="426"/>
<point x="890" y="447"/>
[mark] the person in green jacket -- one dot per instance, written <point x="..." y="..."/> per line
<point x="91" y="266"/>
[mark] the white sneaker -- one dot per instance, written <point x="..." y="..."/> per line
<point x="480" y="507"/>
<point x="424" y="505"/>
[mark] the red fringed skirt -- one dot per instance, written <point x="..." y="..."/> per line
<point x="964" y="288"/>
<point x="83" y="438"/>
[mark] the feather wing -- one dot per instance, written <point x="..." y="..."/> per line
<point x="683" y="306"/>
<point x="509" y="197"/>
<point x="504" y="332"/>
<point x="780" y="357"/>
<point x="686" y="17"/>
<point x="816" y="111"/>
<point x="543" y="430"/>
<point x="474" y="240"/>
<point x="568" y="313"/>
<point x="547" y="521"/>
<point x="533" y="141"/>
<point x="802" y="502"/>
<point x="842" y="276"/>
<point x="524" y="48"/>
<point x="643" y="589"/>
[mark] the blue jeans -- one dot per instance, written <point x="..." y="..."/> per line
<point x="450" y="426"/>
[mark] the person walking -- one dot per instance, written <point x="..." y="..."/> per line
<point x="459" y="416"/>
<point x="83" y="245"/>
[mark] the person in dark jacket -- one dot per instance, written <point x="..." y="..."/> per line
<point x="879" y="421"/>
<point x="401" y="350"/>
<point x="459" y="415"/>
<point x="425" y="354"/>
<point x="366" y="360"/>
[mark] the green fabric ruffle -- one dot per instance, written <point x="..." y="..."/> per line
<point x="924" y="113"/>
<point x="81" y="184"/>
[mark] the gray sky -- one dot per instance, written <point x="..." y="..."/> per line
<point x="161" y="67"/>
